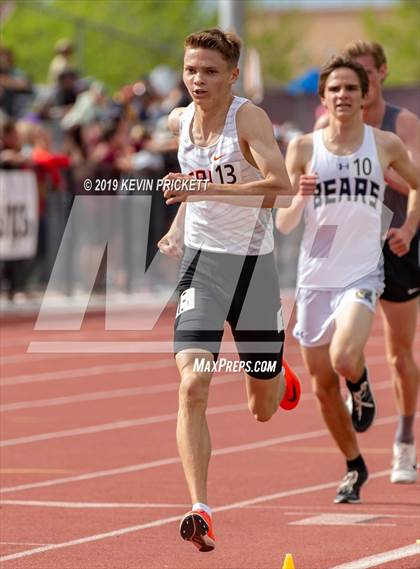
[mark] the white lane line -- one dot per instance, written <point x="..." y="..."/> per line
<point x="121" y="368"/>
<point x="29" y="334"/>
<point x="134" y="391"/>
<point x="175" y="460"/>
<point x="118" y="368"/>
<point x="127" y="424"/>
<point x="340" y="519"/>
<point x="27" y="358"/>
<point x="109" y="394"/>
<point x="165" y="521"/>
<point x="375" y="514"/>
<point x="130" y="423"/>
<point x="163" y="462"/>
<point x="99" y="505"/>
<point x="128" y="347"/>
<point x="87" y="372"/>
<point x="90" y="538"/>
<point x="380" y="558"/>
<point x="22" y="543"/>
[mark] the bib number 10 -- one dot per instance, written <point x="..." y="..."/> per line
<point x="363" y="166"/>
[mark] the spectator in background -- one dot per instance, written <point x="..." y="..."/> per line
<point x="15" y="87"/>
<point x="65" y="92"/>
<point x="11" y="155"/>
<point x="89" y="106"/>
<point x="13" y="274"/>
<point x="62" y="61"/>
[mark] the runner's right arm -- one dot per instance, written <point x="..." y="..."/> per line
<point x="172" y="243"/>
<point x="303" y="184"/>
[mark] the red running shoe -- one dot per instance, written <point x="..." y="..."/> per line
<point x="196" y="526"/>
<point x="293" y="390"/>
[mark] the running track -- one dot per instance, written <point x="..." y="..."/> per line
<point x="91" y="477"/>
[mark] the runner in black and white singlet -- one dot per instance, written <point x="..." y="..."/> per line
<point x="227" y="270"/>
<point x="399" y="301"/>
<point x="338" y="174"/>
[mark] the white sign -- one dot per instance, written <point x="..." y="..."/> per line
<point x="18" y="214"/>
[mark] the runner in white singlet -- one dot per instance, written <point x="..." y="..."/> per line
<point x="227" y="270"/>
<point x="338" y="175"/>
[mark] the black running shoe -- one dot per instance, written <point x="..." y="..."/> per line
<point x="361" y="404"/>
<point x="348" y="492"/>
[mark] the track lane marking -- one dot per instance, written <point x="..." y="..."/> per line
<point x="120" y="368"/>
<point x="165" y="521"/>
<point x="133" y="391"/>
<point x="109" y="394"/>
<point x="131" y="347"/>
<point x="87" y="505"/>
<point x="22" y="543"/>
<point x="380" y="558"/>
<point x="123" y="424"/>
<point x="115" y="425"/>
<point x="86" y="372"/>
<point x="164" y="462"/>
<point x="175" y="460"/>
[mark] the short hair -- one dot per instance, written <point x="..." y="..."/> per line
<point x="228" y="44"/>
<point x="337" y="62"/>
<point x="360" y="48"/>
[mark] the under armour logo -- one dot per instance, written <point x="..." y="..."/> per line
<point x="342" y="166"/>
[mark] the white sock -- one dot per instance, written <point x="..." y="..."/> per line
<point x="201" y="506"/>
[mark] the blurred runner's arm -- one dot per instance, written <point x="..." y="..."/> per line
<point x="408" y="129"/>
<point x="400" y="238"/>
<point x="303" y="184"/>
<point x="172" y="242"/>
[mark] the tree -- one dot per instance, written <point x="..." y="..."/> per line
<point x="277" y="39"/>
<point x="117" y="40"/>
<point x="401" y="40"/>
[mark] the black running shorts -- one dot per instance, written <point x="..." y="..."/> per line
<point x="402" y="274"/>
<point x="241" y="290"/>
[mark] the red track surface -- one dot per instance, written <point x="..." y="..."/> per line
<point x="99" y="430"/>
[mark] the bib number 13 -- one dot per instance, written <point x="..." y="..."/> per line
<point x="226" y="173"/>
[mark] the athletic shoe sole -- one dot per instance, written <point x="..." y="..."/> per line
<point x="194" y="528"/>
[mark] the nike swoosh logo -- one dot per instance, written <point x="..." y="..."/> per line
<point x="217" y="157"/>
<point x="294" y="395"/>
<point x="413" y="290"/>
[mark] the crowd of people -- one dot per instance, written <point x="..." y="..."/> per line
<point x="71" y="128"/>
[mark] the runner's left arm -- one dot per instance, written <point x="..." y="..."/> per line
<point x="408" y="130"/>
<point x="400" y="238"/>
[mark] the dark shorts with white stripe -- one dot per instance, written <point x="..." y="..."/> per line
<point x="402" y="274"/>
<point x="215" y="288"/>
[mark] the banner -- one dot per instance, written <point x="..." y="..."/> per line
<point x="18" y="214"/>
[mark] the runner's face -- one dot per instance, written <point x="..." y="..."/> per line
<point x="207" y="76"/>
<point x="376" y="77"/>
<point x="343" y="93"/>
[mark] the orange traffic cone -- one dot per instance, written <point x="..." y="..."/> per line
<point x="288" y="562"/>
